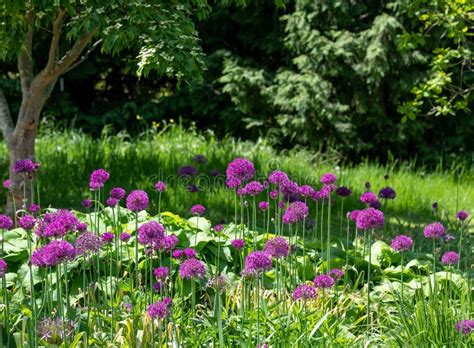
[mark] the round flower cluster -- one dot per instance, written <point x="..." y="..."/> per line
<point x="233" y="183"/>
<point x="54" y="253"/>
<point x="369" y="218"/>
<point x="263" y="205"/>
<point x="326" y="191"/>
<point x="88" y="243"/>
<point x="238" y="244"/>
<point x="198" y="210"/>
<point x="7" y="184"/>
<point x="434" y="230"/>
<point x="34" y="208"/>
<point x="369" y="198"/>
<point x="125" y="237"/>
<point x="336" y="273"/>
<point x="352" y="215"/>
<point x="187" y="171"/>
<point x="151" y="233"/>
<point x="274" y="194"/>
<point x="117" y="193"/>
<point x="324" y="281"/>
<point x="387" y="193"/>
<point x="402" y="243"/>
<point x="112" y="202"/>
<point x="343" y="191"/>
<point x="3" y="267"/>
<point x="137" y="200"/>
<point x="86" y="203"/>
<point x="462" y="215"/>
<point x="328" y="179"/>
<point x="253" y="188"/>
<point x="25" y="167"/>
<point x="200" y="159"/>
<point x="58" y="224"/>
<point x="218" y="227"/>
<point x="52" y="330"/>
<point x="160" y="309"/>
<point x="27" y="222"/>
<point x="190" y="253"/>
<point x="278" y="177"/>
<point x="6" y="222"/>
<point x="108" y="237"/>
<point x="304" y="292"/>
<point x="465" y="326"/>
<point x="98" y="178"/>
<point x="192" y="268"/>
<point x="257" y="262"/>
<point x="277" y="247"/>
<point x="170" y="242"/>
<point x="160" y="186"/>
<point x="450" y="258"/>
<point x="296" y="211"/>
<point x="161" y="272"/>
<point x="241" y="169"/>
<point x="306" y="191"/>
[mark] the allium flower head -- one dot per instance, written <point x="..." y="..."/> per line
<point x="253" y="188"/>
<point x="368" y="198"/>
<point x="328" y="179"/>
<point x="108" y="237"/>
<point x="402" y="243"/>
<point x="170" y="242"/>
<point x="465" y="326"/>
<point x="124" y="237"/>
<point x="190" y="253"/>
<point x="54" y="253"/>
<point x="450" y="258"/>
<point x="257" y="262"/>
<point x="306" y="191"/>
<point x="88" y="243"/>
<point x="324" y="281"/>
<point x="218" y="227"/>
<point x="178" y="254"/>
<point x="387" y="193"/>
<point x="98" y="178"/>
<point x="161" y="272"/>
<point x="462" y="215"/>
<point x="192" y="268"/>
<point x="434" y="230"/>
<point x="295" y="212"/>
<point x="86" y="203"/>
<point x="369" y="218"/>
<point x="352" y="215"/>
<point x="215" y="172"/>
<point x="375" y="204"/>
<point x="118" y="193"/>
<point x="240" y="168"/>
<point x="233" y="183"/>
<point x="160" y="309"/>
<point x="160" y="186"/>
<point x="25" y="166"/>
<point x="137" y="200"/>
<point x="277" y="247"/>
<point x="200" y="159"/>
<point x="52" y="330"/>
<point x="27" y="222"/>
<point x="274" y="194"/>
<point x="151" y="233"/>
<point x="304" y="292"/>
<point x="7" y="184"/>
<point x="336" y="273"/>
<point x="316" y="196"/>
<point x="326" y="191"/>
<point x="112" y="202"/>
<point x="263" y="205"/>
<point x="278" y="177"/>
<point x="187" y="171"/>
<point x="238" y="244"/>
<point x="289" y="189"/>
<point x="34" y="208"/>
<point x="343" y="191"/>
<point x="3" y="268"/>
<point x="6" y="222"/>
<point x="198" y="210"/>
<point x="434" y="206"/>
<point x="58" y="224"/>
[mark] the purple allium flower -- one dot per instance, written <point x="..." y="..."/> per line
<point x="328" y="179"/>
<point x="375" y="204"/>
<point x="5" y="222"/>
<point x="52" y="330"/>
<point x="274" y="194"/>
<point x="462" y="215"/>
<point x="369" y="218"/>
<point x="124" y="237"/>
<point x="402" y="243"/>
<point x="368" y="198"/>
<point x="214" y="173"/>
<point x="289" y="189"/>
<point x="304" y="292"/>
<point x="151" y="233"/>
<point x="160" y="309"/>
<point x="200" y="159"/>
<point x="316" y="196"/>
<point x="118" y="193"/>
<point x="277" y="247"/>
<point x="238" y="244"/>
<point x="112" y="202"/>
<point x="159" y="286"/>
<point x="434" y="230"/>
<point x="193" y="188"/>
<point x="190" y="253"/>
<point x="137" y="200"/>
<point x="240" y="168"/>
<point x="198" y="210"/>
<point x="218" y="227"/>
<point x="25" y="166"/>
<point x="27" y="222"/>
<point x="161" y="272"/>
<point x="54" y="253"/>
<point x="295" y="212"/>
<point x="253" y="188"/>
<point x="326" y="191"/>
<point x="343" y="191"/>
<point x="465" y="326"/>
<point x="352" y="215"/>
<point x="324" y="281"/>
<point x="86" y="203"/>
<point x="266" y="184"/>
<point x="192" y="268"/>
<point x="263" y="205"/>
<point x="170" y="242"/>
<point x="278" y="177"/>
<point x="387" y="193"/>
<point x="34" y="208"/>
<point x="281" y="205"/>
<point x="336" y="274"/>
<point x="88" y="243"/>
<point x="257" y="262"/>
<point x="178" y="254"/>
<point x="7" y="184"/>
<point x="160" y="186"/>
<point x="3" y="268"/>
<point x="306" y="191"/>
<point x="450" y="258"/>
<point x="108" y="237"/>
<point x="233" y="183"/>
<point x="434" y="206"/>
<point x="187" y="171"/>
<point x="367" y="185"/>
<point x="99" y="177"/>
<point x="58" y="224"/>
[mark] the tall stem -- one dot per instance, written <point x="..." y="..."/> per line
<point x="369" y="321"/>
<point x="328" y="242"/>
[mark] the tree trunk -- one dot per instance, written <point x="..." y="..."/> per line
<point x="22" y="142"/>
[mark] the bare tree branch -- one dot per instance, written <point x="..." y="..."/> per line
<point x="6" y="122"/>
<point x="53" y="49"/>
<point x="25" y="57"/>
<point x="85" y="56"/>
